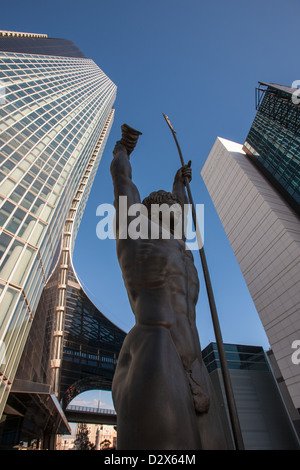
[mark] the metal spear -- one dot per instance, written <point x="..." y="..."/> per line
<point x="235" y="424"/>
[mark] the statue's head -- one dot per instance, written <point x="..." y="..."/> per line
<point x="160" y="197"/>
<point x="154" y="204"/>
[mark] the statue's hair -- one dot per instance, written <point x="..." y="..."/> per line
<point x="160" y="197"/>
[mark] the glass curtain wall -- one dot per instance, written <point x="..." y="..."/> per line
<point x="273" y="142"/>
<point x="52" y="112"/>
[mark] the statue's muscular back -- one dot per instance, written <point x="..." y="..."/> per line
<point x="163" y="286"/>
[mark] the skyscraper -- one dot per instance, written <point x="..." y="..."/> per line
<point x="255" y="190"/>
<point x="274" y="139"/>
<point x="56" y="110"/>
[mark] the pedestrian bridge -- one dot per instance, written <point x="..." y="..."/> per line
<point x="86" y="414"/>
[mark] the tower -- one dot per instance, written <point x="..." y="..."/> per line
<point x="273" y="141"/>
<point x="255" y="190"/>
<point x="56" y="114"/>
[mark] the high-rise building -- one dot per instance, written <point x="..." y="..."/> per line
<point x="273" y="141"/>
<point x="56" y="110"/>
<point x="255" y="190"/>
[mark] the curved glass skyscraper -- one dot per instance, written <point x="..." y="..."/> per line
<point x="56" y="109"/>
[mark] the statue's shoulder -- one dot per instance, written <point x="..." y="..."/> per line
<point x="127" y="247"/>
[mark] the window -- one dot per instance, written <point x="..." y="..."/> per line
<point x="5" y="240"/>
<point x="5" y="212"/>
<point x="16" y="220"/>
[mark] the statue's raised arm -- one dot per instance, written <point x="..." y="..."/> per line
<point x="179" y="191"/>
<point x="121" y="170"/>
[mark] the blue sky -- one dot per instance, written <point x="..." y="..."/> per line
<point x="198" y="62"/>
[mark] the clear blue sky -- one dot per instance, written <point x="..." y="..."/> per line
<point x="198" y="62"/>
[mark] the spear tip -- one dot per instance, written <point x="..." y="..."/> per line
<point x="169" y="123"/>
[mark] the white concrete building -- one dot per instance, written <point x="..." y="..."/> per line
<point x="264" y="233"/>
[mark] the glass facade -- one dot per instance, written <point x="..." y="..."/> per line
<point x="71" y="344"/>
<point x="53" y="47"/>
<point x="238" y="357"/>
<point x="56" y="114"/>
<point x="274" y="139"/>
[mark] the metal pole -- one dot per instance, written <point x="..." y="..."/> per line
<point x="235" y="424"/>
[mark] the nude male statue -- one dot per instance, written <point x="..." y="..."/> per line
<point x="161" y="388"/>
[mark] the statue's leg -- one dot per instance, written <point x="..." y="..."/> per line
<point x="210" y="424"/>
<point x="151" y="394"/>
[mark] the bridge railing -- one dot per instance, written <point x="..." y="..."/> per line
<point x="88" y="409"/>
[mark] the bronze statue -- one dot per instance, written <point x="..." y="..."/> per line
<point x="161" y="389"/>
